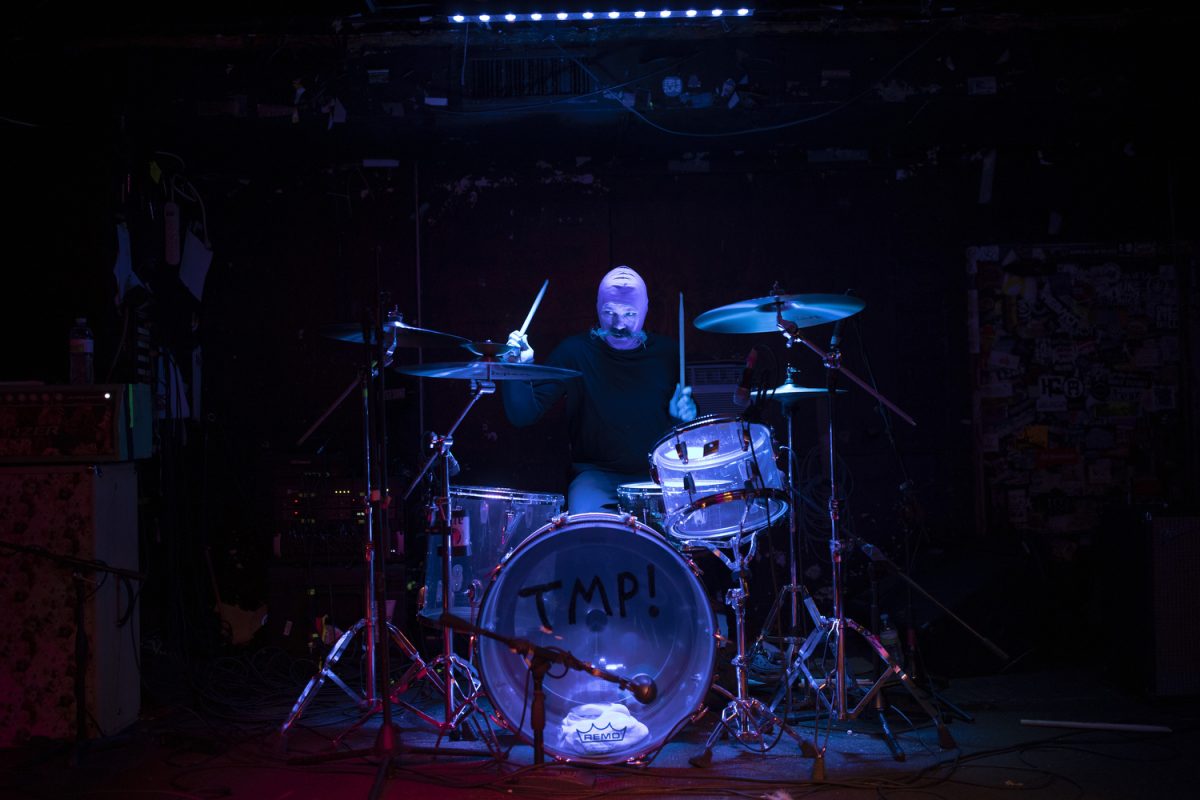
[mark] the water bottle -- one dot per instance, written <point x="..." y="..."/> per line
<point x="82" y="347"/>
<point x="890" y="639"/>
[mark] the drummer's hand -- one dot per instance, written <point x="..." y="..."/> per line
<point x="682" y="406"/>
<point x="518" y="339"/>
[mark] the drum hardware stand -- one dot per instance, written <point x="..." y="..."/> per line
<point x="881" y="703"/>
<point x="795" y="591"/>
<point x="744" y="718"/>
<point x="834" y="628"/>
<point x="541" y="659"/>
<point x="371" y="700"/>
<point x="458" y="701"/>
<point x="877" y="556"/>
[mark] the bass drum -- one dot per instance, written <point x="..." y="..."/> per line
<point x="612" y="592"/>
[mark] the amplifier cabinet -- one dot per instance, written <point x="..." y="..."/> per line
<point x="86" y="513"/>
<point x="56" y="424"/>
<point x="1175" y="563"/>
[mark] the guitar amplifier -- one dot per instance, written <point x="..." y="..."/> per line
<point x="86" y="512"/>
<point x="74" y="424"/>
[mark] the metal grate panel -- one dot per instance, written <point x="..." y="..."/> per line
<point x="526" y="77"/>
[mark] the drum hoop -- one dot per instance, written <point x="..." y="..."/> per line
<point x="628" y="521"/>
<point x="769" y="494"/>
<point x="702" y="422"/>
<point x="641" y="488"/>
<point x="501" y="493"/>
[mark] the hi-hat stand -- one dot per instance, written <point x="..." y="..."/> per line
<point x="373" y="698"/>
<point x="831" y="689"/>
<point x="459" y="684"/>
<point x="746" y="719"/>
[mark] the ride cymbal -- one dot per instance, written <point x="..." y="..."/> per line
<point x="760" y="314"/>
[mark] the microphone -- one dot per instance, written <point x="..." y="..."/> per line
<point x="741" y="395"/>
<point x="836" y="337"/>
<point x="871" y="551"/>
<point x="643" y="688"/>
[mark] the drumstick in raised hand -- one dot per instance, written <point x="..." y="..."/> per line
<point x="536" y="302"/>
<point x="681" y="357"/>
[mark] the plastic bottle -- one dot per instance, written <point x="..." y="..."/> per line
<point x="82" y="347"/>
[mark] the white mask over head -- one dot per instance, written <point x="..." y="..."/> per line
<point x="621" y="304"/>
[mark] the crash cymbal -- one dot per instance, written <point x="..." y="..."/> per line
<point x="759" y="315"/>
<point x="395" y="331"/>
<point x="489" y="348"/>
<point x="488" y="370"/>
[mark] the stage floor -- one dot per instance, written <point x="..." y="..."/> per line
<point x="219" y="737"/>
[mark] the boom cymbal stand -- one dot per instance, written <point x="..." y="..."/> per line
<point x="371" y="699"/>
<point x="831" y="689"/>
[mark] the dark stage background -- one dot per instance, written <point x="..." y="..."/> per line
<point x="330" y="157"/>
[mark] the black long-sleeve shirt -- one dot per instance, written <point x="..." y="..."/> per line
<point x="616" y="410"/>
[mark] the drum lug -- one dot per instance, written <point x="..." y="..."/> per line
<point x="693" y="566"/>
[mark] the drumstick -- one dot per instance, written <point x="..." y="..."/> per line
<point x="536" y="302"/>
<point x="681" y="357"/>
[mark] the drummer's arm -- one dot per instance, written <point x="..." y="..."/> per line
<point x="526" y="401"/>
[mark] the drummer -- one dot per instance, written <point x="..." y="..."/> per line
<point x="624" y="400"/>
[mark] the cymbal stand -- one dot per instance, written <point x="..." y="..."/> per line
<point x="370" y="699"/>
<point x="877" y="556"/>
<point x="460" y="695"/>
<point x="796" y="593"/>
<point x="744" y="718"/>
<point x="834" y="628"/>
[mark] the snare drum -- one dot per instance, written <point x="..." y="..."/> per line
<point x="486" y="524"/>
<point x="615" y="594"/>
<point x="719" y="478"/>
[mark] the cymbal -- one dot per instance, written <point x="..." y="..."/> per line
<point x="489" y="348"/>
<point x="759" y="315"/>
<point x="395" y="330"/>
<point x="791" y="392"/>
<point x="487" y="370"/>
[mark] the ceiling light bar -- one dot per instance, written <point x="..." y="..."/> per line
<point x="594" y="16"/>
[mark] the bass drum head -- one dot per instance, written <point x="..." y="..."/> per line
<point x="614" y="594"/>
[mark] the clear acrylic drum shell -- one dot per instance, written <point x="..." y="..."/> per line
<point x="630" y="624"/>
<point x="644" y="500"/>
<point x="730" y="461"/>
<point x="499" y="520"/>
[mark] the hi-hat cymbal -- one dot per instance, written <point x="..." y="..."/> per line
<point x="490" y="348"/>
<point x="487" y="370"/>
<point x="791" y="392"/>
<point x="395" y="331"/>
<point x="759" y="315"/>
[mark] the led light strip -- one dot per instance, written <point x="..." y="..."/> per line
<point x="565" y="16"/>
